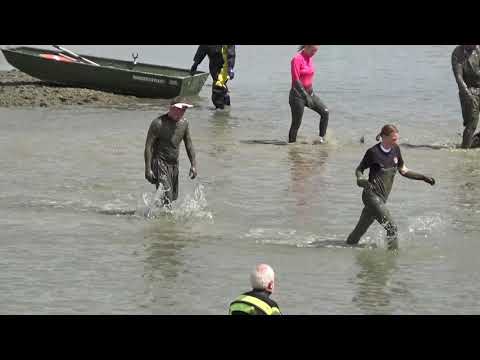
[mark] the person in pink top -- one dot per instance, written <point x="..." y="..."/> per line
<point x="301" y="94"/>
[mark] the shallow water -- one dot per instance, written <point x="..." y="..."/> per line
<point x="74" y="239"/>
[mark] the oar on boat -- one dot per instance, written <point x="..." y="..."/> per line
<point x="75" y="55"/>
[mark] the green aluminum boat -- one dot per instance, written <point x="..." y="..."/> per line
<point x="116" y="76"/>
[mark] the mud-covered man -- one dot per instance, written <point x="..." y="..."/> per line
<point x="466" y="68"/>
<point x="162" y="149"/>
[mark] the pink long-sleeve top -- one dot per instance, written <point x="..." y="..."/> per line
<point x="303" y="69"/>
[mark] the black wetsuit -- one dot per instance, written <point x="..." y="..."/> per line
<point x="383" y="167"/>
<point x="298" y="102"/>
<point x="466" y="68"/>
<point x="162" y="152"/>
<point x="302" y="94"/>
<point x="476" y="141"/>
<point x="221" y="65"/>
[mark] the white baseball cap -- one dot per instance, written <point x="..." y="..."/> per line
<point x="183" y="105"/>
<point x="180" y="102"/>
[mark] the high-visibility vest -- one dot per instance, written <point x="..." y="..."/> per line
<point x="249" y="304"/>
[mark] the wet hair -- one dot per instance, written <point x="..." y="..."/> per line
<point x="386" y="131"/>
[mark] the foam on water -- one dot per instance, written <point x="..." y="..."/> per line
<point x="290" y="237"/>
<point x="420" y="230"/>
<point x="149" y="206"/>
<point x="191" y="207"/>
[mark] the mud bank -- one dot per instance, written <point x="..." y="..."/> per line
<point x="18" y="89"/>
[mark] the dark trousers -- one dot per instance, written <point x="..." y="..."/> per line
<point x="220" y="96"/>
<point x="375" y="209"/>
<point x="297" y="105"/>
<point x="167" y="175"/>
<point x="470" y="113"/>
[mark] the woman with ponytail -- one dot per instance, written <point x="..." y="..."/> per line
<point x="301" y="93"/>
<point x="383" y="160"/>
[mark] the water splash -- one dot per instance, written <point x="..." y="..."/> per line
<point x="290" y="237"/>
<point x="153" y="205"/>
<point x="149" y="205"/>
<point x="193" y="207"/>
<point x="419" y="228"/>
<point x="117" y="207"/>
<point x="423" y="227"/>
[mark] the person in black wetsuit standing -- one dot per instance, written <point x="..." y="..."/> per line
<point x="222" y="62"/>
<point x="383" y="160"/>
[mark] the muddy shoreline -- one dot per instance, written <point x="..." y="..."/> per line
<point x="18" y="89"/>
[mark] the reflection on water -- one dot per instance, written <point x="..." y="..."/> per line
<point x="377" y="288"/>
<point x="466" y="196"/>
<point x="163" y="244"/>
<point x="166" y="236"/>
<point x="373" y="281"/>
<point x="221" y="133"/>
<point x="305" y="163"/>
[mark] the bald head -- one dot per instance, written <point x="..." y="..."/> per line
<point x="263" y="278"/>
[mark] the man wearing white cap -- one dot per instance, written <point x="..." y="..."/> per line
<point x="162" y="149"/>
